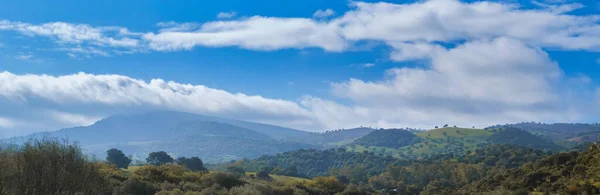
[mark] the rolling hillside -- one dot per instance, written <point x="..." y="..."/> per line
<point x="451" y="140"/>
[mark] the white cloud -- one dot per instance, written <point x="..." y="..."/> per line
<point x="451" y="20"/>
<point x="478" y="83"/>
<point x="368" y="65"/>
<point x="226" y="15"/>
<point x="410" y="24"/>
<point x="72" y="33"/>
<point x="414" y="51"/>
<point x="257" y="33"/>
<point x="7" y="123"/>
<point x="86" y="52"/>
<point x="79" y="99"/>
<point x="484" y="63"/>
<point x="78" y="35"/>
<point x="323" y="13"/>
<point x="24" y="56"/>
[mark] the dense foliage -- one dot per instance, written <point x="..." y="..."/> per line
<point x="391" y="138"/>
<point x="116" y="157"/>
<point x="54" y="167"/>
<point x="48" y="167"/>
<point x="159" y="158"/>
<point x="312" y="163"/>
<point x="515" y="136"/>
<point x="567" y="173"/>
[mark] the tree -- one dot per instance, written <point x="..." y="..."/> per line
<point x="236" y="170"/>
<point x="446" y="125"/>
<point x="193" y="164"/>
<point x="116" y="157"/>
<point x="159" y="158"/>
<point x="263" y="175"/>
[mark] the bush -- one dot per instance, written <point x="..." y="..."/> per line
<point x="49" y="166"/>
<point x="135" y="186"/>
<point x="221" y="179"/>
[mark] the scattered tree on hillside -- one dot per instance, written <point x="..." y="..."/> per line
<point x="116" y="157"/>
<point x="159" y="158"/>
<point x="193" y="164"/>
<point x="263" y="175"/>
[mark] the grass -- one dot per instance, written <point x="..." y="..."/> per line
<point x="454" y="132"/>
<point x="282" y="178"/>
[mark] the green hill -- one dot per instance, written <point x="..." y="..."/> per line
<point x="449" y="140"/>
<point x="391" y="138"/>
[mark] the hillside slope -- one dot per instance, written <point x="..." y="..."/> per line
<point x="213" y="139"/>
<point x="450" y="140"/>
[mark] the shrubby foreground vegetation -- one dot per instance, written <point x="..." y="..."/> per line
<point x="57" y="167"/>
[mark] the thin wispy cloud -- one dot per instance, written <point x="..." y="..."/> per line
<point x="24" y="56"/>
<point x="323" y="13"/>
<point x="226" y="15"/>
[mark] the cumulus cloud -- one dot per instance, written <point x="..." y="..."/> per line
<point x="482" y="82"/>
<point x="226" y="15"/>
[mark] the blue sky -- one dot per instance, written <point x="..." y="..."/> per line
<point x="314" y="65"/>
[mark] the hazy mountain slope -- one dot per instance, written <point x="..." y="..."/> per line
<point x="142" y="126"/>
<point x="211" y="138"/>
<point x="212" y="141"/>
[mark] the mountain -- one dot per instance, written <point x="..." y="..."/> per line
<point x="213" y="139"/>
